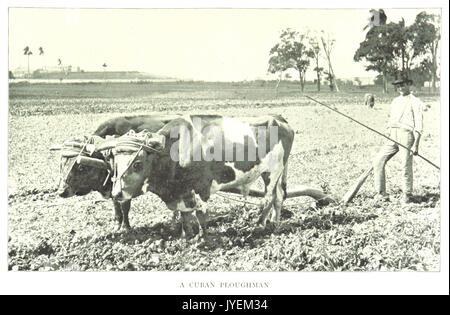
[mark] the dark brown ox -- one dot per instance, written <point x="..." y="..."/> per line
<point x="167" y="163"/>
<point x="84" y="169"/>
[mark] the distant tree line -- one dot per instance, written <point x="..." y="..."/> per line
<point x="395" y="49"/>
<point x="391" y="49"/>
<point x="295" y="51"/>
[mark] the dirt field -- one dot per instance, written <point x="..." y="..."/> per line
<point x="47" y="232"/>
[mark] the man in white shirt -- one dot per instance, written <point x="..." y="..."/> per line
<point x="405" y="126"/>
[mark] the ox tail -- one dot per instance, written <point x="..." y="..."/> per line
<point x="284" y="181"/>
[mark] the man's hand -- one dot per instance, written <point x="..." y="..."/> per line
<point x="415" y="146"/>
<point x="415" y="149"/>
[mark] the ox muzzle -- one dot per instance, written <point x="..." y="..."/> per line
<point x="80" y="150"/>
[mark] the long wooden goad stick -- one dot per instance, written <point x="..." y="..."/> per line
<point x="371" y="129"/>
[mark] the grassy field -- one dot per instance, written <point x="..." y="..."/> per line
<point x="50" y="233"/>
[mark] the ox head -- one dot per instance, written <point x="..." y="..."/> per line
<point x="133" y="155"/>
<point x="82" y="168"/>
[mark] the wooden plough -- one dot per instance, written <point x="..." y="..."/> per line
<point x="300" y="191"/>
<point x="322" y="198"/>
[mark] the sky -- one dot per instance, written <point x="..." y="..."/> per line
<point x="199" y="44"/>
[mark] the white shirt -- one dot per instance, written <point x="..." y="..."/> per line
<point x="407" y="113"/>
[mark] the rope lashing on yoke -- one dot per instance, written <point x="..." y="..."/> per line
<point x="78" y="146"/>
<point x="135" y="143"/>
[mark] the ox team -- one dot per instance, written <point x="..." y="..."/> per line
<point x="143" y="160"/>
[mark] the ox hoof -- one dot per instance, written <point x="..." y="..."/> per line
<point x="262" y="223"/>
<point x="320" y="204"/>
<point x="196" y="239"/>
<point x="124" y="229"/>
<point x="272" y="226"/>
<point x="260" y="227"/>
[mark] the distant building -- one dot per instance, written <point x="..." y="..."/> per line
<point x="429" y="83"/>
<point x="20" y="73"/>
<point x="57" y="69"/>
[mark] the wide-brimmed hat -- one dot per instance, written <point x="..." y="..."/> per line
<point x="403" y="81"/>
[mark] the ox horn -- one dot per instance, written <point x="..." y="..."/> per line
<point x="56" y="147"/>
<point x="107" y="145"/>
<point x="97" y="163"/>
<point x="157" y="140"/>
<point x="90" y="148"/>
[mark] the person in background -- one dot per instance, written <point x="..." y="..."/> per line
<point x="406" y="127"/>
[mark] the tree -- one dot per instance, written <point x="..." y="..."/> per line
<point x="398" y="50"/>
<point x="330" y="79"/>
<point x="277" y="64"/>
<point x="427" y="34"/>
<point x="405" y="53"/>
<point x="421" y="73"/>
<point x="291" y="52"/>
<point x="104" y="65"/>
<point x="315" y="48"/>
<point x="61" y="68"/>
<point x="379" y="49"/>
<point x="328" y="44"/>
<point x="41" y="53"/>
<point x="27" y="52"/>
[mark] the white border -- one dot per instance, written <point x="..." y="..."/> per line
<point x="281" y="283"/>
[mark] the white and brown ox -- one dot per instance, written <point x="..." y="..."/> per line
<point x="194" y="156"/>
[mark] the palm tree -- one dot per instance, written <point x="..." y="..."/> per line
<point x="41" y="52"/>
<point x="60" y="65"/>
<point x="27" y="52"/>
<point x="104" y="70"/>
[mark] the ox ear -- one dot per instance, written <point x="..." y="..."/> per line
<point x="90" y="148"/>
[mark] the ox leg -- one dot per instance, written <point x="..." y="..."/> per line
<point x="280" y="196"/>
<point x="266" y="206"/>
<point x="271" y="181"/>
<point x="278" y="202"/>
<point x="125" y="210"/>
<point x="201" y="219"/>
<point x="174" y="218"/>
<point x="118" y="217"/>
